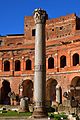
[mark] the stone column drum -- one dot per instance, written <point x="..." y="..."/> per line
<point x="58" y="94"/>
<point x="40" y="64"/>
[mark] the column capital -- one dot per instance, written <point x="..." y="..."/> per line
<point x="40" y="16"/>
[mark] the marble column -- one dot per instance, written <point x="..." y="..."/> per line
<point x="40" y="64"/>
<point x="58" y="93"/>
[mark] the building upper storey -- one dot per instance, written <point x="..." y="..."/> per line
<point x="62" y="30"/>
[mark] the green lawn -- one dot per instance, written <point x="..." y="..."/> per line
<point x="14" y="113"/>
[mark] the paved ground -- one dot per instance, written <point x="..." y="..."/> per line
<point x="23" y="118"/>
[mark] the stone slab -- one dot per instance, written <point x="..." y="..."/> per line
<point x="23" y="118"/>
<point x="48" y="118"/>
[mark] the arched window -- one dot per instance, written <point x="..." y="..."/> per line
<point x="28" y="64"/>
<point x="75" y="59"/>
<point x="50" y="63"/>
<point x="17" y="65"/>
<point x="6" y="65"/>
<point x="62" y="61"/>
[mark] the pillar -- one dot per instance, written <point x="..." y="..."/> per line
<point x="58" y="94"/>
<point x="12" y="66"/>
<point x="22" y="64"/>
<point x="0" y="64"/>
<point x="40" y="65"/>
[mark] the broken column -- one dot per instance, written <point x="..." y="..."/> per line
<point x="40" y="64"/>
<point x="58" y="94"/>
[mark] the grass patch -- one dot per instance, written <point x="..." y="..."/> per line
<point x="14" y="113"/>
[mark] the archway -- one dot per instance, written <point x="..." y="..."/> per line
<point x="75" y="85"/>
<point x="5" y="89"/>
<point x="75" y="90"/>
<point x="28" y="89"/>
<point x="51" y="90"/>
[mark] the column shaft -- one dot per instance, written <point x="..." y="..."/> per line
<point x="40" y="66"/>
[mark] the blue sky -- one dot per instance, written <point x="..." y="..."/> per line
<point x="12" y="12"/>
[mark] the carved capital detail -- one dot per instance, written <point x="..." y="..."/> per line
<point x="40" y="16"/>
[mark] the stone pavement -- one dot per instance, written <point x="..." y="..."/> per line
<point x="48" y="118"/>
<point x="13" y="118"/>
<point x="23" y="118"/>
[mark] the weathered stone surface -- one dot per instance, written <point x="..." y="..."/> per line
<point x="40" y="65"/>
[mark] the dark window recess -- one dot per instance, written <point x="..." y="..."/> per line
<point x="17" y="65"/>
<point x="50" y="63"/>
<point x="62" y="61"/>
<point x="61" y="27"/>
<point x="53" y="29"/>
<point x="75" y="59"/>
<point x="6" y="65"/>
<point x="0" y="42"/>
<point x="33" y="32"/>
<point x="28" y="64"/>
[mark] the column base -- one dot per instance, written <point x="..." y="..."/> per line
<point x="40" y="112"/>
<point x="23" y="110"/>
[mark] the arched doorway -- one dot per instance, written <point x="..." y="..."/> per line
<point x="75" y="85"/>
<point x="51" y="90"/>
<point x="5" y="89"/>
<point x="75" y="90"/>
<point x="28" y="89"/>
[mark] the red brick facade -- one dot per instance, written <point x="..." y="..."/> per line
<point x="62" y="57"/>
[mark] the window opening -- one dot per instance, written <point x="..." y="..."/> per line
<point x="28" y="64"/>
<point x="17" y="65"/>
<point x="6" y="65"/>
<point x="50" y="63"/>
<point x="62" y="61"/>
<point x="75" y="59"/>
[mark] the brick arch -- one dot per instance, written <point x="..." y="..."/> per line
<point x="5" y="89"/>
<point x="51" y="90"/>
<point x="19" y="43"/>
<point x="10" y="44"/>
<point x="75" y="88"/>
<point x="27" y="89"/>
<point x="75" y="81"/>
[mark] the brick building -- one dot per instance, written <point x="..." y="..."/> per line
<point x="62" y="59"/>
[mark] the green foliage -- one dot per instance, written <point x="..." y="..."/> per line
<point x="14" y="113"/>
<point x="57" y="116"/>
